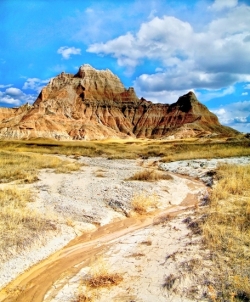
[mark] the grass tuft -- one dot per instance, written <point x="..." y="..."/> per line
<point x="100" y="276"/>
<point x="142" y="202"/>
<point x="83" y="298"/>
<point x="150" y="175"/>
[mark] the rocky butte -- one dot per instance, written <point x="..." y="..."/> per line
<point x="94" y="104"/>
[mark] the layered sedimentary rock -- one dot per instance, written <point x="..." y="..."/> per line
<point x="95" y="104"/>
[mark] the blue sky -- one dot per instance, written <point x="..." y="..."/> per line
<point x="163" y="48"/>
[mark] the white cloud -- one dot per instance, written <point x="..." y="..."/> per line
<point x="10" y="101"/>
<point x="247" y="86"/>
<point x="5" y="86"/>
<point x="156" y="39"/>
<point x="219" y="5"/>
<point x="15" y="96"/>
<point x="208" y="95"/>
<point x="188" y="59"/>
<point x="66" y="51"/>
<point x="244" y="93"/>
<point x="236" y="115"/>
<point x="15" y="92"/>
<point x="35" y="84"/>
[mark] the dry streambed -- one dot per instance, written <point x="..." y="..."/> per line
<point x="153" y="255"/>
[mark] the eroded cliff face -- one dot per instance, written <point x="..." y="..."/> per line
<point x="95" y="104"/>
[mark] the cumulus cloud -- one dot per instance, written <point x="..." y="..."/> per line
<point x="219" y="5"/>
<point x="236" y="115"/>
<point x="208" y="95"/>
<point x="156" y="39"/>
<point x="188" y="59"/>
<point x="164" y="96"/>
<point x="35" y="84"/>
<point x="15" y="96"/>
<point x="15" y="92"/>
<point x="66" y="51"/>
<point x="244" y="93"/>
<point x="5" y="86"/>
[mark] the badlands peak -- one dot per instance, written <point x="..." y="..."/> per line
<point x="94" y="104"/>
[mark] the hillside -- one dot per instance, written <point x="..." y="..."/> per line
<point x="94" y="104"/>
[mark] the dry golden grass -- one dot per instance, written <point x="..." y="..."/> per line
<point x="19" y="226"/>
<point x="100" y="173"/>
<point x="135" y="148"/>
<point x="83" y="298"/>
<point x="227" y="232"/>
<point x="150" y="175"/>
<point x="142" y="203"/>
<point x="207" y="150"/>
<point x="100" y="276"/>
<point x="24" y="166"/>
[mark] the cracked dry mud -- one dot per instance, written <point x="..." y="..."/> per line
<point x="90" y="207"/>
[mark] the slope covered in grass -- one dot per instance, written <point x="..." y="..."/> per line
<point x="227" y="232"/>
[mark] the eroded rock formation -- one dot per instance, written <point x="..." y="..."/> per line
<point x="95" y="104"/>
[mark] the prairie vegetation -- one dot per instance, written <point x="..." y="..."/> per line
<point x="24" y="167"/>
<point x="98" y="277"/>
<point x="143" y="202"/>
<point x="135" y="148"/>
<point x="150" y="175"/>
<point x="226" y="229"/>
<point x="19" y="226"/>
<point x="227" y="233"/>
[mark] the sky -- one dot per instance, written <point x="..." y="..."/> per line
<point x="162" y="48"/>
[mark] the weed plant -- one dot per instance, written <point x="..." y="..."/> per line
<point x="150" y="175"/>
<point x="98" y="277"/>
<point x="141" y="203"/>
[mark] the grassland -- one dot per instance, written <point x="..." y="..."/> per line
<point x="24" y="167"/>
<point x="140" y="148"/>
<point x="227" y="233"/>
<point x="227" y="227"/>
<point x="19" y="225"/>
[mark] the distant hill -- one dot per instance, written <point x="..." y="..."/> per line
<point x="94" y="104"/>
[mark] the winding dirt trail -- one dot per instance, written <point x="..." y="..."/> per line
<point x="33" y="284"/>
<point x="85" y="193"/>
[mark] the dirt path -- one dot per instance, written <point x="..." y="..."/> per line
<point x="34" y="284"/>
<point x="86" y="198"/>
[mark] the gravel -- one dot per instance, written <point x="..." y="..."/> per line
<point x="204" y="169"/>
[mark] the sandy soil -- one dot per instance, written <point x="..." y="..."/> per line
<point x="92" y="206"/>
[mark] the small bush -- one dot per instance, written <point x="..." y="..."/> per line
<point x="150" y="175"/>
<point x="141" y="203"/>
<point x="100" y="276"/>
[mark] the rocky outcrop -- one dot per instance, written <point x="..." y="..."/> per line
<point x="95" y="104"/>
